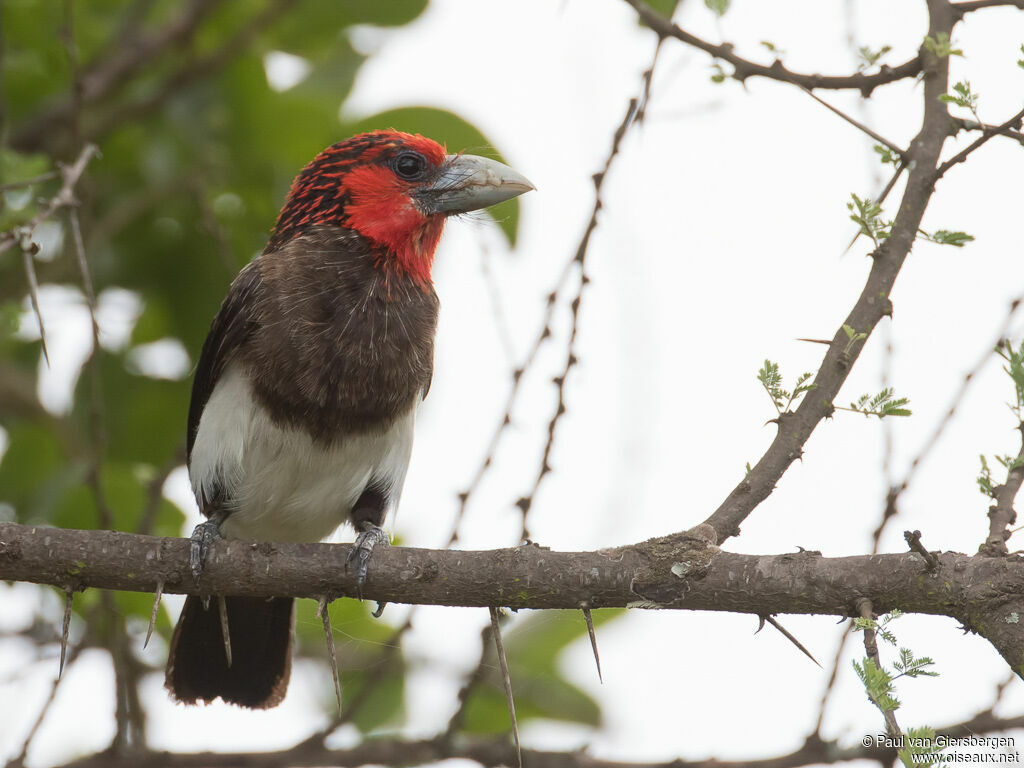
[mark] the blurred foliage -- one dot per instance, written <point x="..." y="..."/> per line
<point x="197" y="154"/>
<point x="532" y="645"/>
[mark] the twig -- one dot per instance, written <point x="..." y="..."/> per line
<point x="22" y="235"/>
<point x="871" y="649"/>
<point x="635" y="111"/>
<point x="1001" y="514"/>
<point x="742" y="68"/>
<point x="963" y="154"/>
<point x="96" y="411"/>
<point x="974" y="125"/>
<point x="500" y="648"/>
<point x="962" y="9"/>
<point x="958" y="397"/>
<point x="913" y="539"/>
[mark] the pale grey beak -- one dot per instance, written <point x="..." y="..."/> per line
<point x="468" y="183"/>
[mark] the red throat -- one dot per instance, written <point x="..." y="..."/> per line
<point x="382" y="211"/>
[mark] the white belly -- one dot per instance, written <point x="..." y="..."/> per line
<point x="284" y="486"/>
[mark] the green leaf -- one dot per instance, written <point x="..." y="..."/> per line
<point x="666" y="8"/>
<point x="868" y="57"/>
<point x="459" y="135"/>
<point x="946" y="237"/>
<point x="941" y="46"/>
<point x="718" y="6"/>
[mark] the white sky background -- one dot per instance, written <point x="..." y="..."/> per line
<point x="720" y="243"/>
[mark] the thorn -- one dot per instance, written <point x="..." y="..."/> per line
<point x="817" y="341"/>
<point x="500" y="648"/>
<point x="225" y="632"/>
<point x="69" y="599"/>
<point x="771" y="620"/>
<point x="593" y="642"/>
<point x="760" y="624"/>
<point x="380" y="609"/>
<point x="325" y="616"/>
<point x="156" y="608"/>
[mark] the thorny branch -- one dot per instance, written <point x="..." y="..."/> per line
<point x="864" y="608"/>
<point x="682" y="571"/>
<point x="743" y="68"/>
<point x="1001" y="515"/>
<point x="794" y="429"/>
<point x="23" y="234"/>
<point x="492" y="753"/>
<point x="635" y="111"/>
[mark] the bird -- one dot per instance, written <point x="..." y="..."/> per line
<point x="305" y="394"/>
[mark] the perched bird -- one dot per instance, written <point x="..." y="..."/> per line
<point x="306" y="391"/>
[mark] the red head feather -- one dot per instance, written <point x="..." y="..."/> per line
<point x="354" y="184"/>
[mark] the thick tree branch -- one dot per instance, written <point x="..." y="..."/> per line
<point x="743" y="68"/>
<point x="681" y="571"/>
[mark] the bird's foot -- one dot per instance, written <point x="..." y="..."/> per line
<point x="203" y="537"/>
<point x="370" y="536"/>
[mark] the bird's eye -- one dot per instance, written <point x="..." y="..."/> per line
<point x="410" y="166"/>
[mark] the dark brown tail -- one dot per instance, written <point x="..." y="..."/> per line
<point x="261" y="654"/>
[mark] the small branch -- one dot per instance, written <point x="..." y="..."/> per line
<point x="963" y="154"/>
<point x="871" y="649"/>
<point x="23" y="234"/>
<point x="913" y="539"/>
<point x="872" y="305"/>
<point x="742" y="68"/>
<point x="1002" y="515"/>
<point x="962" y="9"/>
<point x="973" y="125"/>
<point x="940" y="427"/>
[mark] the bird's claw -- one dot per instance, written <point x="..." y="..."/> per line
<point x="203" y="537"/>
<point x="370" y="537"/>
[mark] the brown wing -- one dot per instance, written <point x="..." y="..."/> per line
<point x="232" y="326"/>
